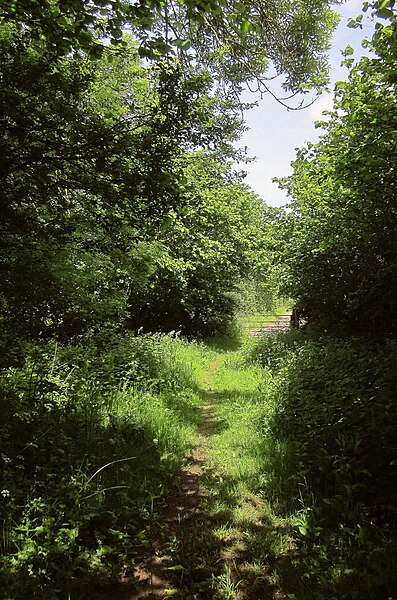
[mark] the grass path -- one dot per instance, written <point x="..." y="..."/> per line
<point x="214" y="537"/>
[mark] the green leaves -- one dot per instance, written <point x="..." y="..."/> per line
<point x="245" y="27"/>
<point x="183" y="44"/>
<point x="252" y="33"/>
<point x="348" y="51"/>
<point x="384" y="8"/>
<point x="344" y="218"/>
<point x="102" y="231"/>
<point x="209" y="244"/>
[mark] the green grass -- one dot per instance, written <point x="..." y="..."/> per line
<point x="236" y="526"/>
<point x="93" y="440"/>
<point x="285" y="505"/>
<point x="297" y="441"/>
<point x="238" y="406"/>
<point x="327" y="450"/>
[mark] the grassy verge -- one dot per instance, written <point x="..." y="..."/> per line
<point x="92" y="438"/>
<point x="300" y="499"/>
<point x="226" y="549"/>
<point x="299" y="453"/>
<point x="329" y="458"/>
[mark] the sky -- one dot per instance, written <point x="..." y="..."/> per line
<point x="274" y="132"/>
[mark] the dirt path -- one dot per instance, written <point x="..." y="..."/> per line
<point x="208" y="541"/>
<point x="156" y="575"/>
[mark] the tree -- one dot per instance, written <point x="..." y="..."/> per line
<point x="93" y="151"/>
<point x="209" y="246"/>
<point x="93" y="163"/>
<point x="341" y="252"/>
<point x="238" y="40"/>
<point x="64" y="253"/>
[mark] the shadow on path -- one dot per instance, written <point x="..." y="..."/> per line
<point x="195" y="546"/>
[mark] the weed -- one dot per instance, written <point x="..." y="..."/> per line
<point x="299" y="450"/>
<point x="91" y="439"/>
<point x="224" y="586"/>
<point x="327" y="463"/>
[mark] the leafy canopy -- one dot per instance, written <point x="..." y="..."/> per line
<point x="340" y="238"/>
<point x="102" y="185"/>
<point x="238" y="40"/>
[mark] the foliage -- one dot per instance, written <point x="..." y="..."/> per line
<point x="342" y="227"/>
<point x="92" y="438"/>
<point x="208" y="247"/>
<point x="107" y="168"/>
<point x="299" y="473"/>
<point x="59" y="253"/>
<point x="237" y="39"/>
<point x="121" y="209"/>
<point x="330" y="458"/>
<point x="260" y="291"/>
<point x="103" y="162"/>
<point x="323" y="413"/>
<point x="97" y="164"/>
<point x="257" y="297"/>
<point x="330" y="389"/>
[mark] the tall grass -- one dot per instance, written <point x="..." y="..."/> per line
<point x="237" y="407"/>
<point x="329" y="449"/>
<point x="300" y="453"/>
<point x="92" y="437"/>
<point x="225" y="549"/>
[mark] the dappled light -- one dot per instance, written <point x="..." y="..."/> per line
<point x="198" y="392"/>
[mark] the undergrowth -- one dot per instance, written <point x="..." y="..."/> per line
<point x="329" y="460"/>
<point x="92" y="437"/>
<point x="300" y="452"/>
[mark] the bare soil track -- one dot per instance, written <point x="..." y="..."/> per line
<point x="176" y="560"/>
<point x="156" y="575"/>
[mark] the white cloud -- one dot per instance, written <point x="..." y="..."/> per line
<point x="315" y="112"/>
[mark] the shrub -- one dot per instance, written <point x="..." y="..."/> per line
<point x="91" y="439"/>
<point x="329" y="460"/>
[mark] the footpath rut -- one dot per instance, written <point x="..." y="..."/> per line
<point x="184" y="555"/>
<point x="153" y="573"/>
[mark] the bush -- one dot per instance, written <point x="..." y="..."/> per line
<point x="329" y="460"/>
<point x="90" y="439"/>
<point x="338" y="402"/>
<point x="271" y="350"/>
